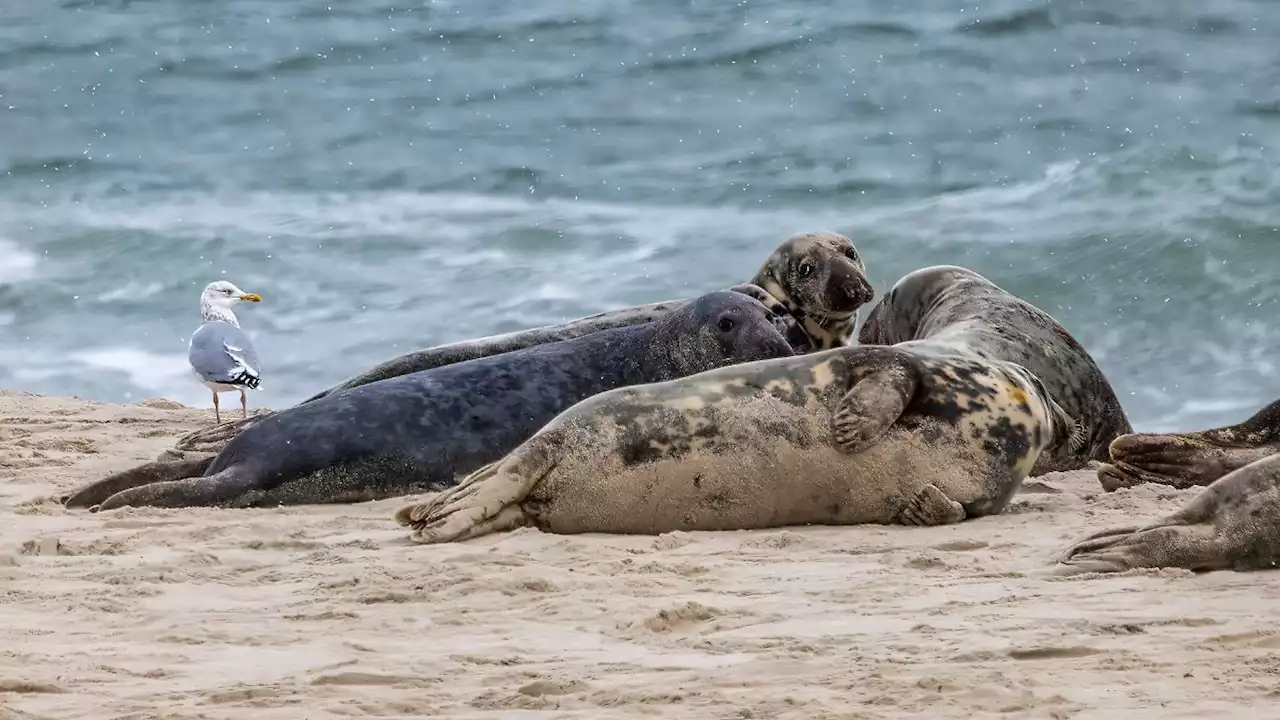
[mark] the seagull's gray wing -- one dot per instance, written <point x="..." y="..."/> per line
<point x="221" y="352"/>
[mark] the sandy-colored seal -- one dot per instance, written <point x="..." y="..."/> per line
<point x="1233" y="524"/>
<point x="843" y="436"/>
<point x="424" y="430"/>
<point x="954" y="306"/>
<point x="1191" y="459"/>
<point x="818" y="277"/>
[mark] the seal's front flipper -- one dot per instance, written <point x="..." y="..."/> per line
<point x="880" y="393"/>
<point x="931" y="506"/>
<point x="218" y="490"/>
<point x="145" y="474"/>
<point x="487" y="500"/>
<point x="508" y="518"/>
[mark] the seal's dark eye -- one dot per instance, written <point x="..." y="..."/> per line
<point x="725" y="324"/>
<point x="806" y="269"/>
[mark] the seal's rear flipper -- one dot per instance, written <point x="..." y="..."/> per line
<point x="217" y="490"/>
<point x="884" y="386"/>
<point x="145" y="474"/>
<point x="1194" y="547"/>
<point x="487" y="500"/>
<point x="1100" y="539"/>
<point x="930" y="507"/>
<point x="213" y="439"/>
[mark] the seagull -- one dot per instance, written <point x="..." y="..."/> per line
<point x="221" y="354"/>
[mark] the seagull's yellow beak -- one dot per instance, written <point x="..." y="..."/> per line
<point x="251" y="297"/>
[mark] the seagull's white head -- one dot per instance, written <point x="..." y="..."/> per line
<point x="219" y="296"/>
<point x="221" y="293"/>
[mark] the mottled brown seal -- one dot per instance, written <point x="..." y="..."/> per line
<point x="1233" y="524"/>
<point x="818" y="277"/>
<point x="953" y="306"/>
<point x="919" y="436"/>
<point x="1191" y="459"/>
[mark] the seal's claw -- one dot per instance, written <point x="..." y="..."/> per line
<point x="469" y="524"/>
<point x="853" y="431"/>
<point x="1090" y="563"/>
<point x="410" y="514"/>
<point x="1112" y="478"/>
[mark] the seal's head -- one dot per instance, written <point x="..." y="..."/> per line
<point x="822" y="280"/>
<point x="722" y="328"/>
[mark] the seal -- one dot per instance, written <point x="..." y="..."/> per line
<point x="819" y="278"/>
<point x="884" y="435"/>
<point x="1233" y="524"/>
<point x="424" y="430"/>
<point x="1191" y="459"/>
<point x="947" y="305"/>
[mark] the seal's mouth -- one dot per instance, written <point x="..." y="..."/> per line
<point x="828" y="318"/>
<point x="843" y="302"/>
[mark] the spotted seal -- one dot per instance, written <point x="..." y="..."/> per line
<point x="956" y="307"/>
<point x="916" y="436"/>
<point x="817" y="277"/>
<point x="1233" y="524"/>
<point x="424" y="430"/>
<point x="1191" y="459"/>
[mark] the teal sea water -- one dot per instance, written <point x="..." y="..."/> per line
<point x="392" y="175"/>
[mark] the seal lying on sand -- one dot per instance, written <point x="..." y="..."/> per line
<point x="1234" y="524"/>
<point x="1186" y="460"/>
<point x="424" y="430"/>
<point x="918" y="436"/>
<point x="946" y="305"/>
<point x="819" y="278"/>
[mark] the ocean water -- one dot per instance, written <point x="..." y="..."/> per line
<point x="393" y="175"/>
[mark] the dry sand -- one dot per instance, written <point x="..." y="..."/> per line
<point x="328" y="612"/>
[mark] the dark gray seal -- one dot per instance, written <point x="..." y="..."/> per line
<point x="1233" y="524"/>
<point x="819" y="278"/>
<point x="423" y="430"/>
<point x="918" y="436"/>
<point x="1191" y="459"/>
<point x="957" y="307"/>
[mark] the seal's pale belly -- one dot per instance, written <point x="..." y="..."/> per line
<point x="760" y="482"/>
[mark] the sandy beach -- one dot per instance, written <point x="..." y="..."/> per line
<point x="329" y="612"/>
